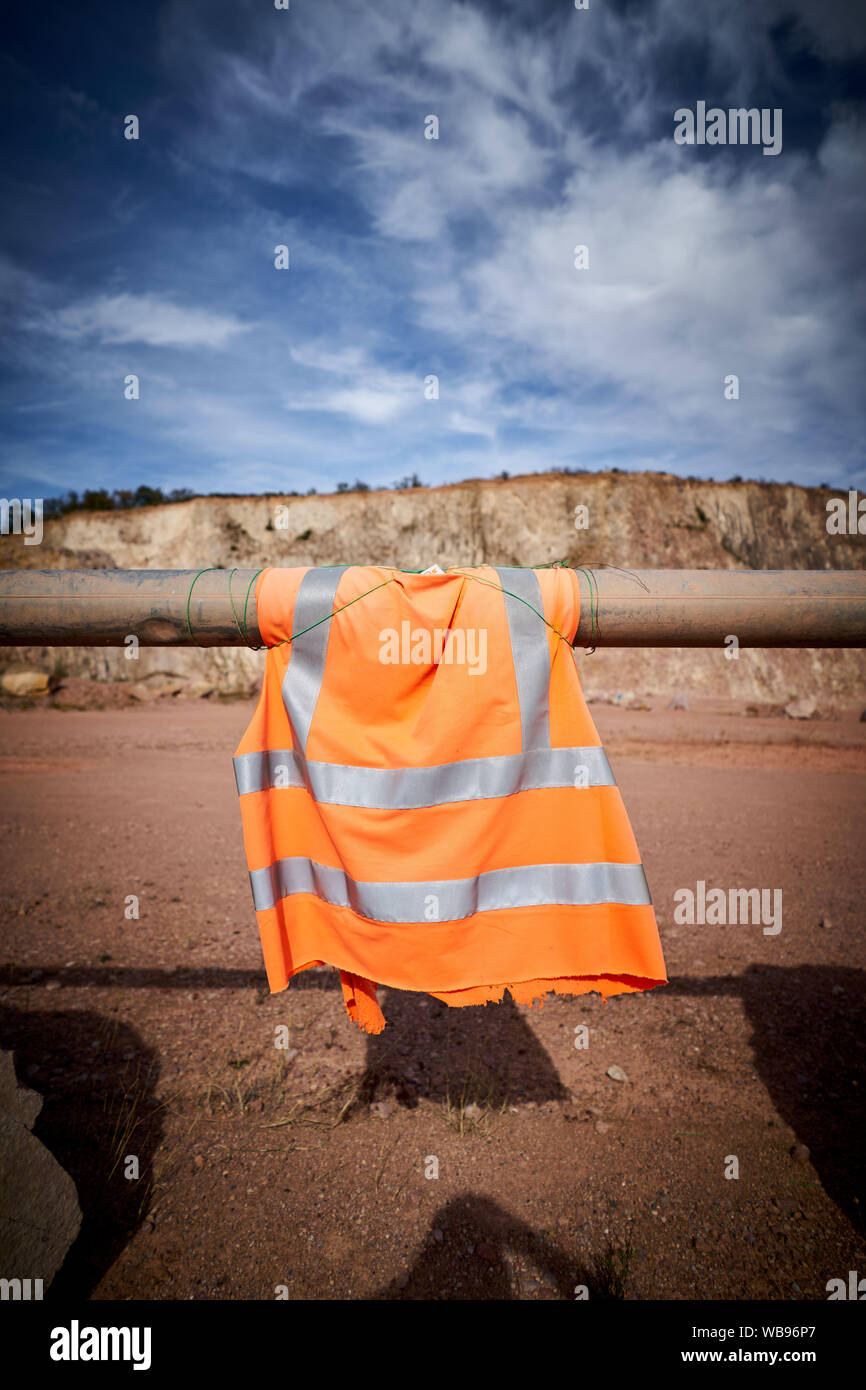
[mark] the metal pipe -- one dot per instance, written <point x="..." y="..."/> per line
<point x="103" y="608"/>
<point x="701" y="608"/>
<point x="619" y="608"/>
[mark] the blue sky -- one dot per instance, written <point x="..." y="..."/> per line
<point x="411" y="257"/>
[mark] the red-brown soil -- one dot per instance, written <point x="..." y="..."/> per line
<point x="261" y="1168"/>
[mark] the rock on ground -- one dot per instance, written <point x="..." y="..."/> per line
<point x="801" y="709"/>
<point x="34" y="1244"/>
<point x="24" y="682"/>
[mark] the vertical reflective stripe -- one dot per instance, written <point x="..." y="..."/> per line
<point x="303" y="679"/>
<point x="530" y="653"/>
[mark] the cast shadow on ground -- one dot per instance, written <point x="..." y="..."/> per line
<point x="809" y="1043"/>
<point x="97" y="1081"/>
<point x="487" y="1053"/>
<point x="505" y="1253"/>
<point x="808" y="1040"/>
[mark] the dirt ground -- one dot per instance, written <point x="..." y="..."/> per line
<point x="311" y="1168"/>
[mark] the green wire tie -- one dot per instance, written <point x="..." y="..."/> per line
<point x="242" y="628"/>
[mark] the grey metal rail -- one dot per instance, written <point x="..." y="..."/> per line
<point x="635" y="608"/>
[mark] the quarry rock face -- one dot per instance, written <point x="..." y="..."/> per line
<point x="629" y="520"/>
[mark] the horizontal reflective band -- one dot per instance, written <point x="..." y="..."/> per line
<point x="448" y="900"/>
<point x="409" y="788"/>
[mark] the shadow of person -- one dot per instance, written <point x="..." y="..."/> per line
<point x="809" y="1042"/>
<point x="475" y="1249"/>
<point x="97" y="1081"/>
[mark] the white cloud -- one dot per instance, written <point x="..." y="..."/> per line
<point x="370" y="406"/>
<point x="371" y="394"/>
<point x="131" y="318"/>
<point x="341" y="361"/>
<point x="375" y="395"/>
<point x="464" y="424"/>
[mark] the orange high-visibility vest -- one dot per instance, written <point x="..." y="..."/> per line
<point x="425" y="800"/>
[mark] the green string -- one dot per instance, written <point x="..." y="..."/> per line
<point x="246" y="601"/>
<point x="589" y="579"/>
<point x="328" y="616"/>
<point x="232" y="602"/>
<point x="453" y="569"/>
<point x="189" y="597"/>
<point x="241" y="630"/>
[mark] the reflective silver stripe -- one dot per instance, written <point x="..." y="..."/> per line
<point x="409" y="788"/>
<point x="530" y="653"/>
<point x="449" y="900"/>
<point x="303" y="679"/>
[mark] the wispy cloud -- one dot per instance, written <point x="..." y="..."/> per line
<point x="141" y="318"/>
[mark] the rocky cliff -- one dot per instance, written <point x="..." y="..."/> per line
<point x="644" y="520"/>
